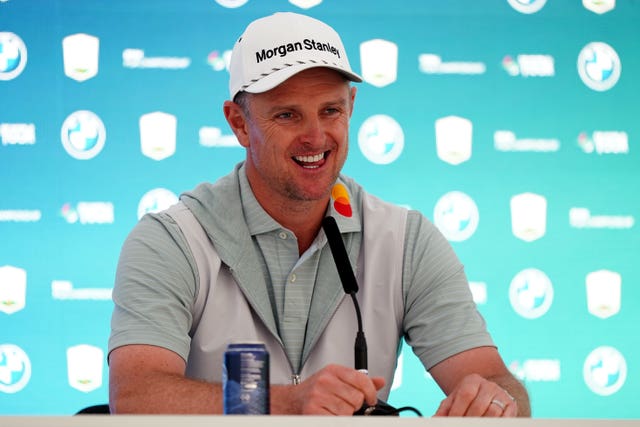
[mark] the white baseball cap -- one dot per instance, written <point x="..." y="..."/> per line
<point x="274" y="48"/>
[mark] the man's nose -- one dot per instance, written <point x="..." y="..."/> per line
<point x="312" y="130"/>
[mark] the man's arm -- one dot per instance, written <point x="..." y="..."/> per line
<point x="477" y="383"/>
<point x="149" y="379"/>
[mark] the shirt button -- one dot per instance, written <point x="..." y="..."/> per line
<point x="292" y="278"/>
<point x="282" y="235"/>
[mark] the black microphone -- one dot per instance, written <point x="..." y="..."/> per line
<point x="350" y="285"/>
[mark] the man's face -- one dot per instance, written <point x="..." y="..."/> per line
<point x="297" y="136"/>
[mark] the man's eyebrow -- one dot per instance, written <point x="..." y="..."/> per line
<point x="342" y="101"/>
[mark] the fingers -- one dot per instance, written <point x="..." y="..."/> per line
<point x="338" y="390"/>
<point x="478" y="397"/>
<point x="511" y="407"/>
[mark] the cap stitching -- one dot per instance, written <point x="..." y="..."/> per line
<point x="273" y="70"/>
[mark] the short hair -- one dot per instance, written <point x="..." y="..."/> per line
<point x="242" y="99"/>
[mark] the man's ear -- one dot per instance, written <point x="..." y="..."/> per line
<point x="237" y="120"/>
<point x="352" y="93"/>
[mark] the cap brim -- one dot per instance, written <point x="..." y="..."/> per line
<point x="276" y="78"/>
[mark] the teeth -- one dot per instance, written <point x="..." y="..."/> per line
<point x="310" y="159"/>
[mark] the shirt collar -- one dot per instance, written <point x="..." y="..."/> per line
<point x="343" y="208"/>
<point x="258" y="220"/>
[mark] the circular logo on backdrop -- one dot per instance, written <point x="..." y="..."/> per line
<point x="15" y="368"/>
<point x="381" y="139"/>
<point x="456" y="216"/>
<point x="599" y="66"/>
<point x="531" y="293"/>
<point x="605" y="370"/>
<point x="156" y="200"/>
<point x="527" y="6"/>
<point x="83" y="135"/>
<point x="13" y="56"/>
<point x="231" y="4"/>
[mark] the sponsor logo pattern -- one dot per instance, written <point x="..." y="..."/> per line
<point x="531" y="126"/>
<point x="13" y="56"/>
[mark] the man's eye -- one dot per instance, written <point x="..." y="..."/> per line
<point x="284" y="115"/>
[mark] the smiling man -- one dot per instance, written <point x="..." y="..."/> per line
<point x="245" y="259"/>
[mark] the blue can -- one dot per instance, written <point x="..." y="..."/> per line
<point x="245" y="379"/>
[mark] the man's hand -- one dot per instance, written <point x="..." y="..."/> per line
<point x="477" y="383"/>
<point x="334" y="390"/>
<point x="476" y="396"/>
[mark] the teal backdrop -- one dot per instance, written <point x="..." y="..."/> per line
<point x="532" y="174"/>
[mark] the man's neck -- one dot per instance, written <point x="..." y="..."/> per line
<point x="302" y="217"/>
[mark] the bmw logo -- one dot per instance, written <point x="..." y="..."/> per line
<point x="531" y="293"/>
<point x="456" y="216"/>
<point x="527" y="6"/>
<point x="83" y="135"/>
<point x="381" y="139"/>
<point x="231" y="4"/>
<point x="15" y="368"/>
<point x="156" y="200"/>
<point x="599" y="66"/>
<point x="605" y="370"/>
<point x="13" y="56"/>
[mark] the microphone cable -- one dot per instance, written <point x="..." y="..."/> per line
<point x="350" y="286"/>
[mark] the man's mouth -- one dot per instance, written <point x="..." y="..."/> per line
<point x="310" y="162"/>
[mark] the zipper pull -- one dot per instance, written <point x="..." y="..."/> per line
<point x="295" y="379"/>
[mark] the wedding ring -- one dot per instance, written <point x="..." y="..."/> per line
<point x="499" y="403"/>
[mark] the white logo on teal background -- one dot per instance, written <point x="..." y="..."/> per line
<point x="88" y="213"/>
<point x="80" y="56"/>
<point x="599" y="66"/>
<point x="531" y="293"/>
<point x="83" y="135"/>
<point x="599" y="6"/>
<point x="305" y="4"/>
<point x="64" y="290"/>
<point x="379" y="62"/>
<point x="13" y="289"/>
<point x="219" y="61"/>
<point x="605" y="371"/>
<point x="582" y="218"/>
<point x="527" y="6"/>
<point x="456" y="216"/>
<point x="381" y="139"/>
<point x="84" y="367"/>
<point x="15" y="368"/>
<point x="526" y="65"/>
<point x="528" y="216"/>
<point x="604" y="293"/>
<point x="231" y="4"/>
<point x="156" y="200"/>
<point x="530" y="370"/>
<point x="211" y="136"/>
<point x="604" y="142"/>
<point x="13" y="56"/>
<point x="454" y="139"/>
<point x="158" y="135"/>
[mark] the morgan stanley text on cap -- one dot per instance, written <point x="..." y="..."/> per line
<point x="274" y="48"/>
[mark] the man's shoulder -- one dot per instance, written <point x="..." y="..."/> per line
<point x="209" y="192"/>
<point x="418" y="226"/>
<point x="363" y="197"/>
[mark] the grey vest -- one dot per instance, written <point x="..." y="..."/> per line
<point x="222" y="313"/>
